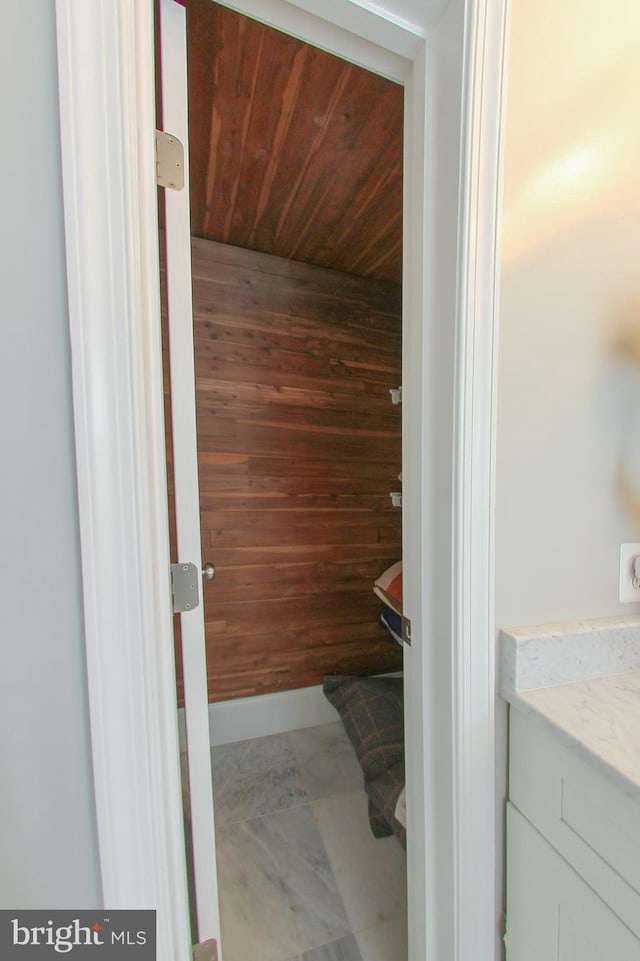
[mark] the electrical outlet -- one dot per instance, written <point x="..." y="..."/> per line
<point x="628" y="591"/>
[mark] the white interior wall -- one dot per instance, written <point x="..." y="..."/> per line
<point x="568" y="401"/>
<point x="48" y="848"/>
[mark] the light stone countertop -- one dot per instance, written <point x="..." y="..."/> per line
<point x="598" y="719"/>
<point x="581" y="680"/>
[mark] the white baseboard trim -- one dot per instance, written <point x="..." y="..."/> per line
<point x="248" y="717"/>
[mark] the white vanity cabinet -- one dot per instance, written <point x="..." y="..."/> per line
<point x="573" y="854"/>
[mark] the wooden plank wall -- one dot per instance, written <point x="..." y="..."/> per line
<point x="299" y="447"/>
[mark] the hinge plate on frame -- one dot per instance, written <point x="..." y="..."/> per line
<point x="169" y="161"/>
<point x="184" y="587"/>
<point x="406" y="630"/>
<point x="396" y="395"/>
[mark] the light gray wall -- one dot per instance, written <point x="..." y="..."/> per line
<point x="568" y="452"/>
<point x="48" y="852"/>
<point x="568" y="446"/>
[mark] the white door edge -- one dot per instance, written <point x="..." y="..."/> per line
<point x="105" y="61"/>
<point x="173" y="59"/>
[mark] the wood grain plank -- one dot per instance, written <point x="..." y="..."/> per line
<point x="313" y="477"/>
<point x="288" y="143"/>
<point x="298" y="449"/>
<point x="325" y="281"/>
<point x="270" y="527"/>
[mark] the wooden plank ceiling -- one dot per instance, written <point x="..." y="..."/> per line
<point x="294" y="152"/>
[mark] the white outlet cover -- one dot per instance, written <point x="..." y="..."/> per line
<point x="628" y="593"/>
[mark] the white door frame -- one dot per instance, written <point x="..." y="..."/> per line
<point x="173" y="81"/>
<point x="105" y="52"/>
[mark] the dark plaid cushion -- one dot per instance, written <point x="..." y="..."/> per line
<point x="384" y="792"/>
<point x="372" y="711"/>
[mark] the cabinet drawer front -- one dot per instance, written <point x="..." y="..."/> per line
<point x="589" y="821"/>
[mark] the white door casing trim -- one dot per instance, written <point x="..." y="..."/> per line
<point x="105" y="69"/>
<point x="105" y="54"/>
<point x="474" y="654"/>
<point x="361" y="34"/>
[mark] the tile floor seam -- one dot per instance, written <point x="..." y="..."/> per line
<point x="319" y="760"/>
<point x="310" y="801"/>
<point x="329" y="862"/>
<point x="257" y="817"/>
<point x="328" y="944"/>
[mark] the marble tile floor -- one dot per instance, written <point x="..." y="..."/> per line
<point x="301" y="877"/>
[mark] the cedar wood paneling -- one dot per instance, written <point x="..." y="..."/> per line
<point x="298" y="447"/>
<point x="293" y="151"/>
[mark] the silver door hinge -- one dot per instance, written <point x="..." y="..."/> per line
<point x="396" y="395"/>
<point x="184" y="587"/>
<point x="169" y="161"/>
<point x="406" y="630"/>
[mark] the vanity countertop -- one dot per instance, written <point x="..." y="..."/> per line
<point x="599" y="719"/>
<point x="592" y="701"/>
